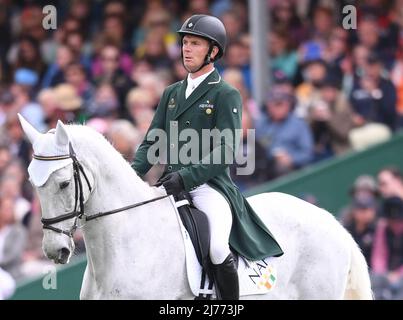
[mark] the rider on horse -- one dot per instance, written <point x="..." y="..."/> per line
<point x="204" y="101"/>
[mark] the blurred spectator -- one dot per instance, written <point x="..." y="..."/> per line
<point x="15" y="139"/>
<point x="362" y="224"/>
<point x="24" y="104"/>
<point x="11" y="188"/>
<point x="81" y="49"/>
<point x="48" y="101"/>
<point x="124" y="137"/>
<point x="55" y="72"/>
<point x="154" y="50"/>
<point x="369" y="35"/>
<point x="70" y="103"/>
<point x="313" y="48"/>
<point x="387" y="256"/>
<point x="283" y="56"/>
<point x="286" y="19"/>
<point x="105" y="103"/>
<point x="364" y="187"/>
<point x="286" y="138"/>
<point x="76" y="76"/>
<point x="252" y="166"/>
<point x="374" y="97"/>
<point x="5" y="158"/>
<point x="7" y="105"/>
<point x="330" y="119"/>
<point x="12" y="239"/>
<point x="336" y="52"/>
<point x="80" y="11"/>
<point x="233" y="24"/>
<point x="390" y="182"/>
<point x="155" y="85"/>
<point x="234" y="78"/>
<point x="314" y="73"/>
<point x="112" y="73"/>
<point x="397" y="79"/>
<point x="237" y="56"/>
<point x="34" y="261"/>
<point x="27" y="54"/>
<point x="142" y="67"/>
<point x="138" y="101"/>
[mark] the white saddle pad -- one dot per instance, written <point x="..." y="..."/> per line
<point x="255" y="277"/>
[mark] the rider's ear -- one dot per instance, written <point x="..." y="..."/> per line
<point x="62" y="137"/>
<point x="31" y="133"/>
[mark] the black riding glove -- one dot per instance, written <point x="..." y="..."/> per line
<point x="172" y="183"/>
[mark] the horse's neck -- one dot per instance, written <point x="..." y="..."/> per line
<point x="148" y="233"/>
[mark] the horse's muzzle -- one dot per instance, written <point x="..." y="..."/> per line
<point x="63" y="256"/>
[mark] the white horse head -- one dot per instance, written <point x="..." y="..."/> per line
<point x="139" y="252"/>
<point x="51" y="172"/>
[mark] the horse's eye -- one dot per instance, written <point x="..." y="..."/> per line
<point x="64" y="184"/>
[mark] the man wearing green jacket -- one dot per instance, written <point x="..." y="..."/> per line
<point x="203" y="101"/>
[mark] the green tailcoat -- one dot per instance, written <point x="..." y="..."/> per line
<point x="212" y="105"/>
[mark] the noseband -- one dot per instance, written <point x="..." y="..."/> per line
<point x="79" y="197"/>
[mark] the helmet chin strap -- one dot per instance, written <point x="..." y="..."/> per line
<point x="207" y="60"/>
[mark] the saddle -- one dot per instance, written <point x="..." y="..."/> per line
<point x="196" y="223"/>
<point x="256" y="277"/>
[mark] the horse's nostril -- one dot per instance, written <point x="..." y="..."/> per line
<point x="64" y="254"/>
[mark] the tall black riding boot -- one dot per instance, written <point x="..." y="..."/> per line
<point x="226" y="279"/>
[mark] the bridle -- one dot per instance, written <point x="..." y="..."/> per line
<point x="79" y="197"/>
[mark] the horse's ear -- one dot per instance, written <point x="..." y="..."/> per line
<point x="31" y="133"/>
<point x="62" y="137"/>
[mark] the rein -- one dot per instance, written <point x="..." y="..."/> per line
<point x="79" y="197"/>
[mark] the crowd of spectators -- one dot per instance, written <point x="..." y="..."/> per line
<point x="107" y="63"/>
<point x="375" y="220"/>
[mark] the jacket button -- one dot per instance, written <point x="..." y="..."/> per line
<point x="172" y="145"/>
<point x="174" y="123"/>
<point x="188" y="123"/>
<point x="169" y="168"/>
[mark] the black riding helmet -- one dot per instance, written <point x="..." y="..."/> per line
<point x="207" y="27"/>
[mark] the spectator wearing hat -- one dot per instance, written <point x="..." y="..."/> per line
<point x="286" y="138"/>
<point x="364" y="186"/>
<point x="69" y="102"/>
<point x="362" y="224"/>
<point x="387" y="256"/>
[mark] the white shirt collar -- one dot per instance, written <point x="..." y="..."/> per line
<point x="192" y="84"/>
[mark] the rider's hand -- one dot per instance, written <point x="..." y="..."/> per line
<point x="172" y="183"/>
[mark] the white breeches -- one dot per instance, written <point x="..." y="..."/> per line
<point x="219" y="215"/>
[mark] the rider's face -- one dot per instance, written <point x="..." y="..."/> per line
<point x="194" y="51"/>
